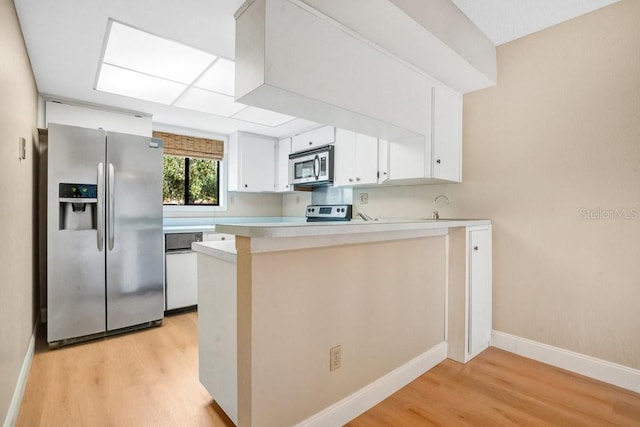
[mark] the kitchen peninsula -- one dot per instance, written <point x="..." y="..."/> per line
<point x="392" y="298"/>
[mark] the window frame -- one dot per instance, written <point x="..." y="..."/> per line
<point x="177" y="211"/>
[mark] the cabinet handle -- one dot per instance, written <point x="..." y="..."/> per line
<point x="475" y="248"/>
<point x="223" y="238"/>
<point x="384" y="173"/>
<point x="357" y="179"/>
<point x="245" y="186"/>
<point x="350" y="179"/>
<point x="438" y="161"/>
<point x="310" y="142"/>
<point x="286" y="186"/>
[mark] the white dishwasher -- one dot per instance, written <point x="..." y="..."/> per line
<point x="181" y="275"/>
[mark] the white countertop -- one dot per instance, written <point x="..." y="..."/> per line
<point x="224" y="250"/>
<point x="192" y="225"/>
<point x="306" y="229"/>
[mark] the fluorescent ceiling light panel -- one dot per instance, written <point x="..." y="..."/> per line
<point x="220" y="77"/>
<point x="137" y="50"/>
<point x="209" y="102"/>
<point x="137" y="85"/>
<point x="263" y="117"/>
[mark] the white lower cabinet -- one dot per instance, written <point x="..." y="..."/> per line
<point x="217" y="331"/>
<point x="469" y="318"/>
<point x="181" y="280"/>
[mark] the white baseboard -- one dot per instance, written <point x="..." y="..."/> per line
<point x="355" y="404"/>
<point x="21" y="384"/>
<point x="612" y="373"/>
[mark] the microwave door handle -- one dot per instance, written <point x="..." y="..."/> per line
<point x="316" y="167"/>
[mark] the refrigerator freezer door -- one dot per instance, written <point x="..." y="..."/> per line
<point x="134" y="231"/>
<point x="75" y="264"/>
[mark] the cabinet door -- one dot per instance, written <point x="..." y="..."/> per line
<point x="366" y="159"/>
<point x="447" y="134"/>
<point x="181" y="281"/>
<point x="479" y="290"/>
<point x="257" y="163"/>
<point x="344" y="157"/>
<point x="407" y="159"/>
<point x="282" y="165"/>
<point x="383" y="161"/>
<point x="313" y="139"/>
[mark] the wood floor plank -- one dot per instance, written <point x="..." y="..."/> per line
<point x="502" y="389"/>
<point x="150" y="378"/>
<point x="147" y="378"/>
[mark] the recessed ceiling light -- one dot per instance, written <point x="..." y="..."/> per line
<point x="262" y="117"/>
<point x="137" y="85"/>
<point x="137" y="50"/>
<point x="220" y="77"/>
<point x="141" y="65"/>
<point x="208" y="102"/>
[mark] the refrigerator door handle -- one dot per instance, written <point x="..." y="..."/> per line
<point x="110" y="206"/>
<point x="100" y="206"/>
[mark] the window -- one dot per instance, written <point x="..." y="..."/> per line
<point x="191" y="170"/>
<point x="190" y="181"/>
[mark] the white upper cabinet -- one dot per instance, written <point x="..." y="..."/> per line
<point x="355" y="158"/>
<point x="447" y="134"/>
<point x="251" y="162"/>
<point x="282" y="165"/>
<point x="313" y="139"/>
<point x="436" y="157"/>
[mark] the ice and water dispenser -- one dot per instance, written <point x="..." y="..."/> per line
<point x="78" y="206"/>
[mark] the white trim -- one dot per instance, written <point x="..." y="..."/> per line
<point x="18" y="393"/>
<point x="602" y="370"/>
<point x="370" y="395"/>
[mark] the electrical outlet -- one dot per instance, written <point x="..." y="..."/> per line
<point x="364" y="198"/>
<point x="335" y="357"/>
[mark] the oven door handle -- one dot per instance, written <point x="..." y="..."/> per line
<point x="316" y="167"/>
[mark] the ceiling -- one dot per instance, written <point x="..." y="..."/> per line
<point x="65" y="41"/>
<point x="505" y="20"/>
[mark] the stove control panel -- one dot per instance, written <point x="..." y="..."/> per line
<point x="317" y="213"/>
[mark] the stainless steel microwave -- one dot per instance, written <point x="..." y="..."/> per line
<point x="312" y="167"/>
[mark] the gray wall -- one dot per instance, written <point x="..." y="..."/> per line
<point x="18" y="226"/>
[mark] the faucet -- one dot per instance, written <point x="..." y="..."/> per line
<point x="365" y="217"/>
<point x="435" y="214"/>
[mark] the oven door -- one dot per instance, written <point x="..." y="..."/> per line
<point x="313" y="167"/>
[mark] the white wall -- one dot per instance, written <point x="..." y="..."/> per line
<point x="18" y="215"/>
<point x="97" y="118"/>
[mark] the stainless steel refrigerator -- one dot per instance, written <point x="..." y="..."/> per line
<point x="104" y="233"/>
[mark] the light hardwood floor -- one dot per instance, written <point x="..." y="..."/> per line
<point x="150" y="378"/>
<point x="498" y="388"/>
<point x="146" y="378"/>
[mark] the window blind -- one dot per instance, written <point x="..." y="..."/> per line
<point x="190" y="146"/>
